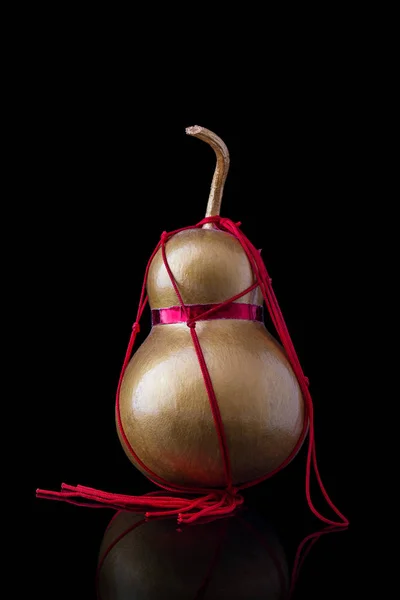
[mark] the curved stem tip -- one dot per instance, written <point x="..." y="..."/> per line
<point x="221" y="168"/>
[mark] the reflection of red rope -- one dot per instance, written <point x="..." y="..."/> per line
<point x="110" y="547"/>
<point x="210" y="501"/>
<point x="300" y="558"/>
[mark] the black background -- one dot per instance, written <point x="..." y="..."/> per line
<point x="108" y="168"/>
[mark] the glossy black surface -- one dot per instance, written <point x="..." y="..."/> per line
<point x="110" y="183"/>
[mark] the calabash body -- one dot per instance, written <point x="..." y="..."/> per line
<point x="229" y="558"/>
<point x="164" y="406"/>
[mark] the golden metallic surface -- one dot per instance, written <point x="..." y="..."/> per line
<point x="165" y="409"/>
<point x="155" y="562"/>
<point x="209" y="266"/>
<point x="166" y="413"/>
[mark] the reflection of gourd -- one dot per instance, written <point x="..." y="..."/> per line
<point x="164" y="407"/>
<point x="234" y="558"/>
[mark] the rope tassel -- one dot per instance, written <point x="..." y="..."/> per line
<point x="219" y="502"/>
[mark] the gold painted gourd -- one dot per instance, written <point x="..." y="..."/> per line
<point x="164" y="407"/>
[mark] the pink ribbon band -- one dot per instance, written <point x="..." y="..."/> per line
<point x="235" y="310"/>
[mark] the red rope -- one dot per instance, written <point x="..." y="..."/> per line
<point x="211" y="502"/>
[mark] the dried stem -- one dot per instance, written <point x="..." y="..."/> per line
<point x="221" y="168"/>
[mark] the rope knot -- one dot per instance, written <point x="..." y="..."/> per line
<point x="136" y="327"/>
<point x="191" y="324"/>
<point x="216" y="504"/>
<point x="164" y="236"/>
